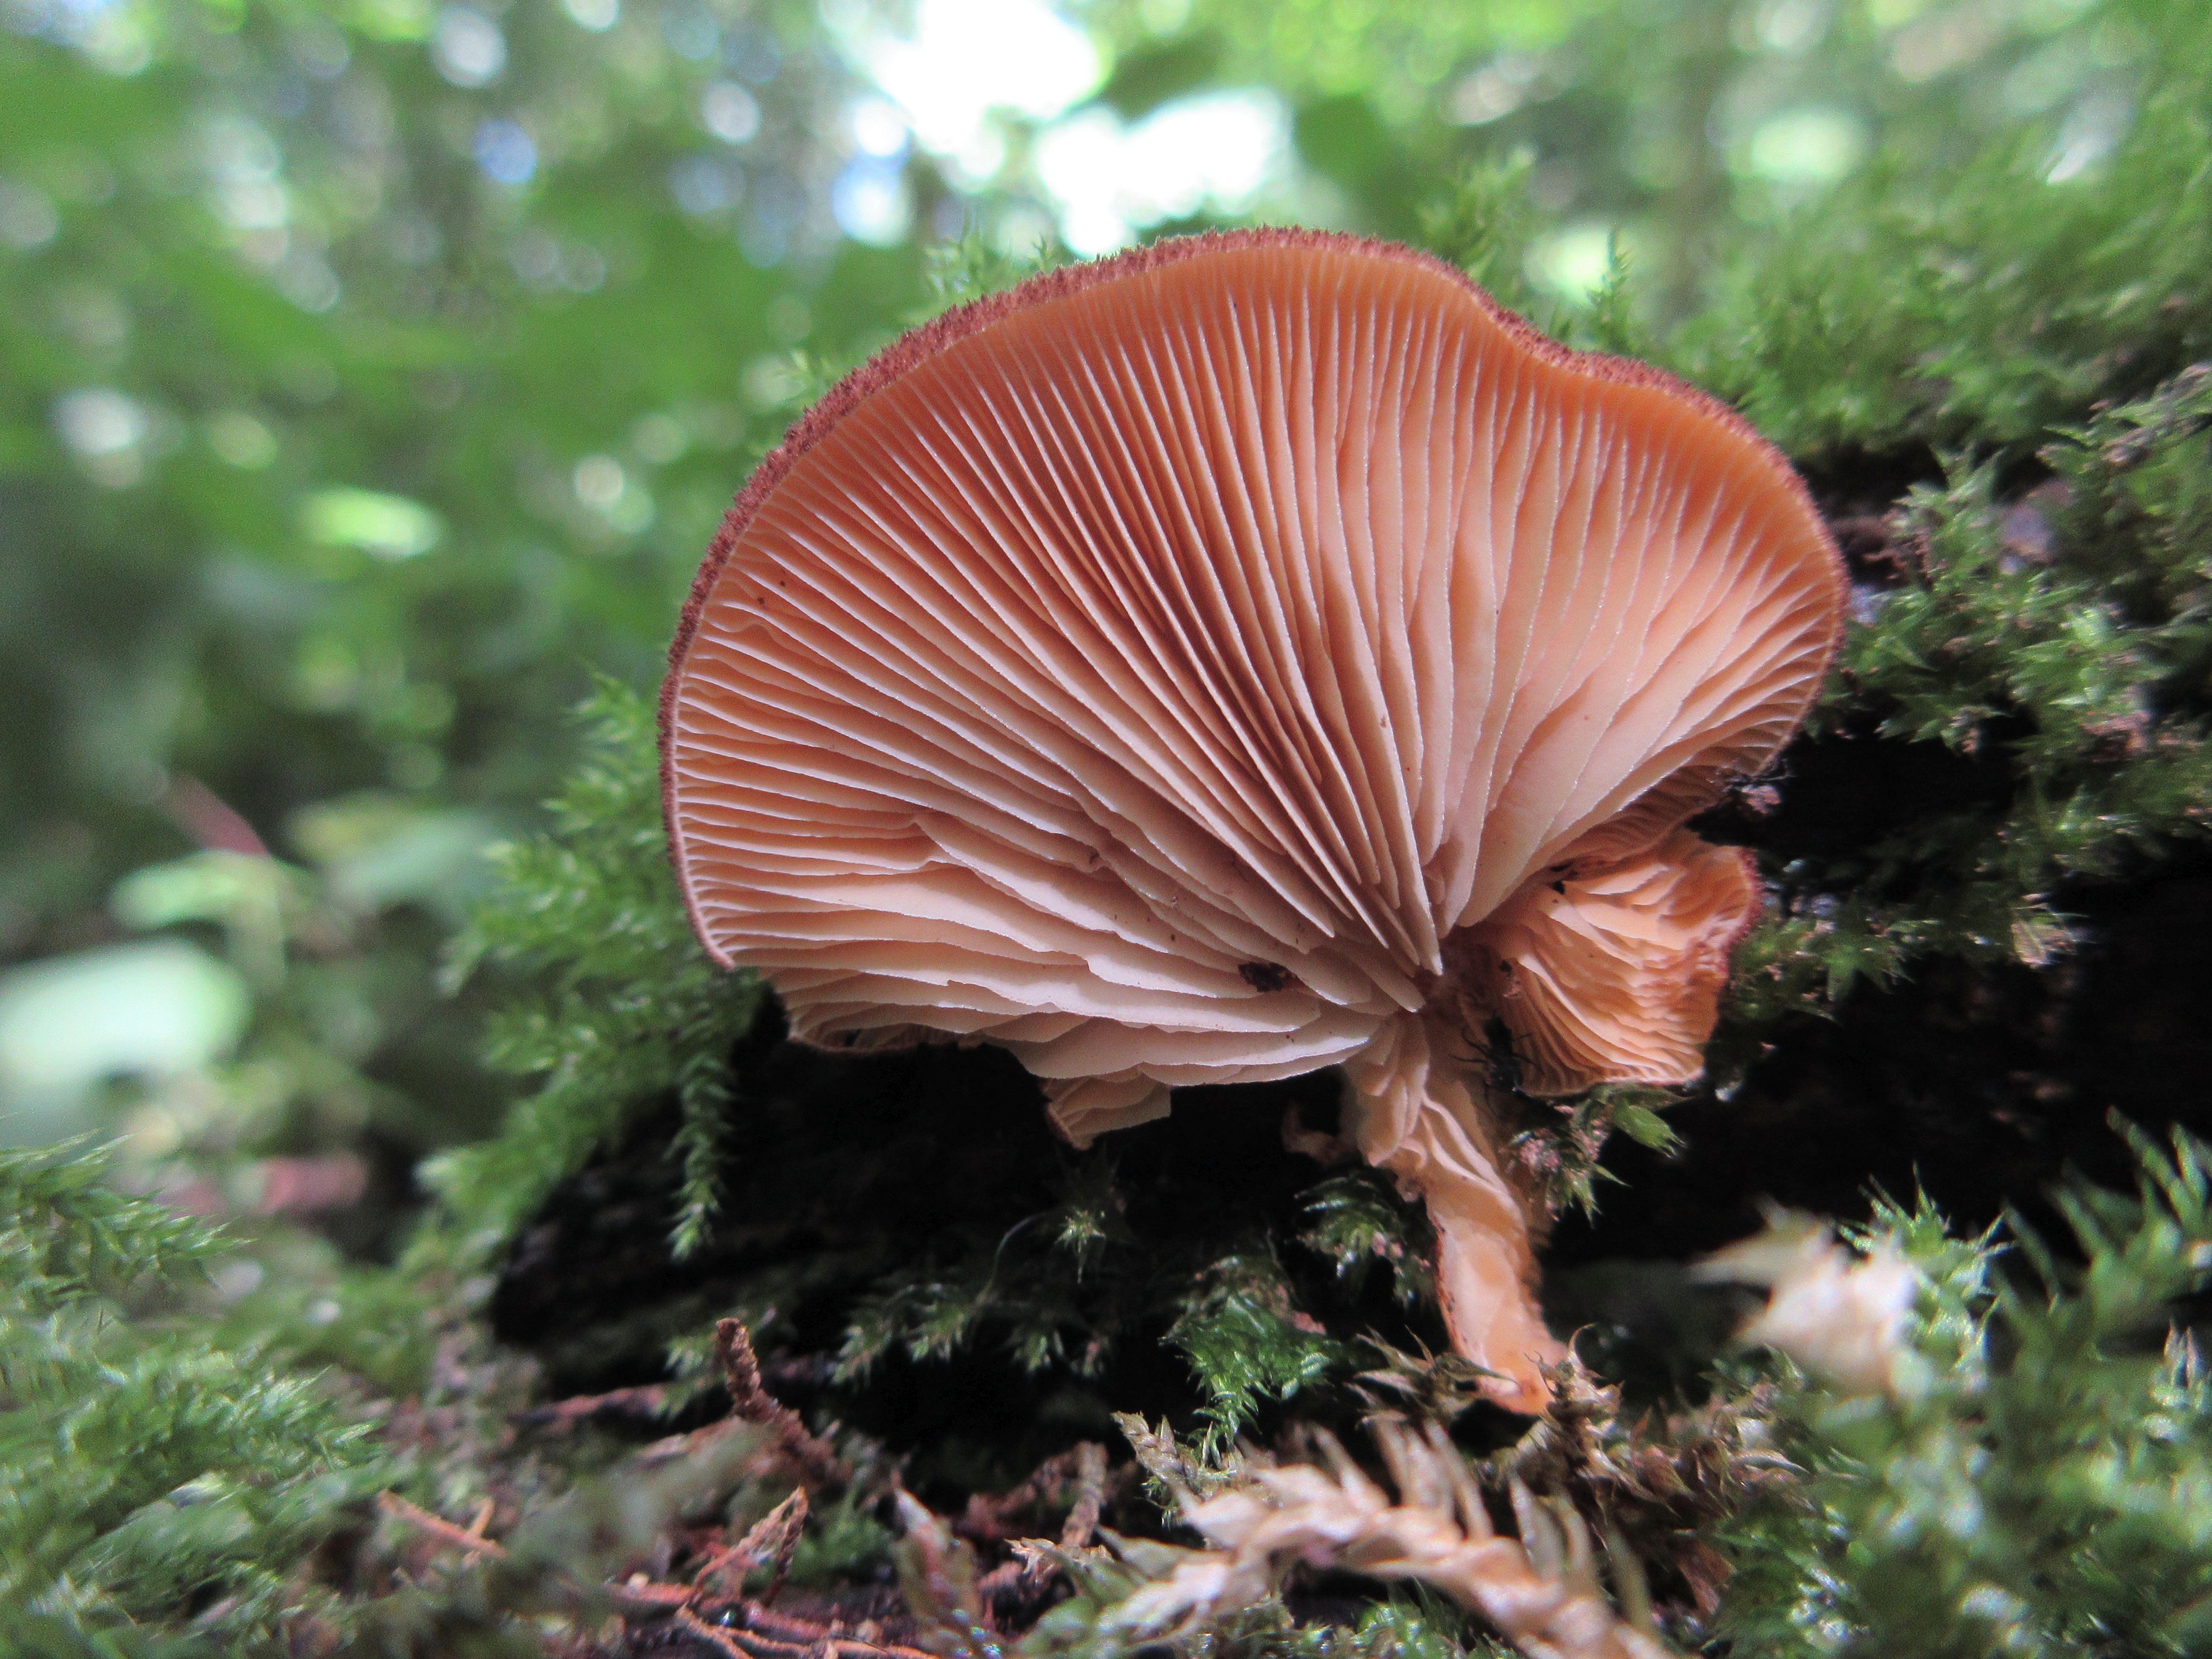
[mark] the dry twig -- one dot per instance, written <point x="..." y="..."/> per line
<point x="712" y="1608"/>
<point x="1013" y="1590"/>
<point x="469" y="1538"/>
<point x="1660" y="1484"/>
<point x="770" y="1542"/>
<point x="1089" y="1496"/>
<point x="1167" y="1463"/>
<point x="989" y="1516"/>
<point x="816" y="1463"/>
<point x="643" y="1403"/>
<point x="758" y="1634"/>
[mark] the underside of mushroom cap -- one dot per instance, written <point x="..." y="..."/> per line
<point x="1155" y="667"/>
<point x="1212" y="664"/>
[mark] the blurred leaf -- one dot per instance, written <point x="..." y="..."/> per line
<point x="390" y="526"/>
<point x="378" y="849"/>
<point x="1157" y="72"/>
<point x="71" y="1022"/>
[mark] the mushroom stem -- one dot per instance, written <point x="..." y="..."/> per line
<point x="1414" y="1114"/>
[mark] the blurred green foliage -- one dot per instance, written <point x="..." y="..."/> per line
<point x="372" y="375"/>
<point x="367" y="387"/>
<point x="375" y="371"/>
<point x="147" y="1467"/>
<point x="635" y="1005"/>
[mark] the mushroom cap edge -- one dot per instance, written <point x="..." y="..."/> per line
<point x="974" y="317"/>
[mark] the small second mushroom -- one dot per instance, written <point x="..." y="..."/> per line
<point x="1255" y="653"/>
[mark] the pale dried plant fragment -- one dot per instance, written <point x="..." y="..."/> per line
<point x="1244" y="656"/>
<point x="1843" y="1316"/>
<point x="1540" y="1590"/>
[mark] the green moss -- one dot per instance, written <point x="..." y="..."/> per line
<point x="148" y="1471"/>
<point x="2042" y="1482"/>
<point x="1979" y="305"/>
<point x="1247" y="1341"/>
<point x="626" y="1005"/>
<point x="2055" y="639"/>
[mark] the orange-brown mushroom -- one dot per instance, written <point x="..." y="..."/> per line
<point x="1251" y="654"/>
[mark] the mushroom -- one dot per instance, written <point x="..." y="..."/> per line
<point x="1247" y="655"/>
